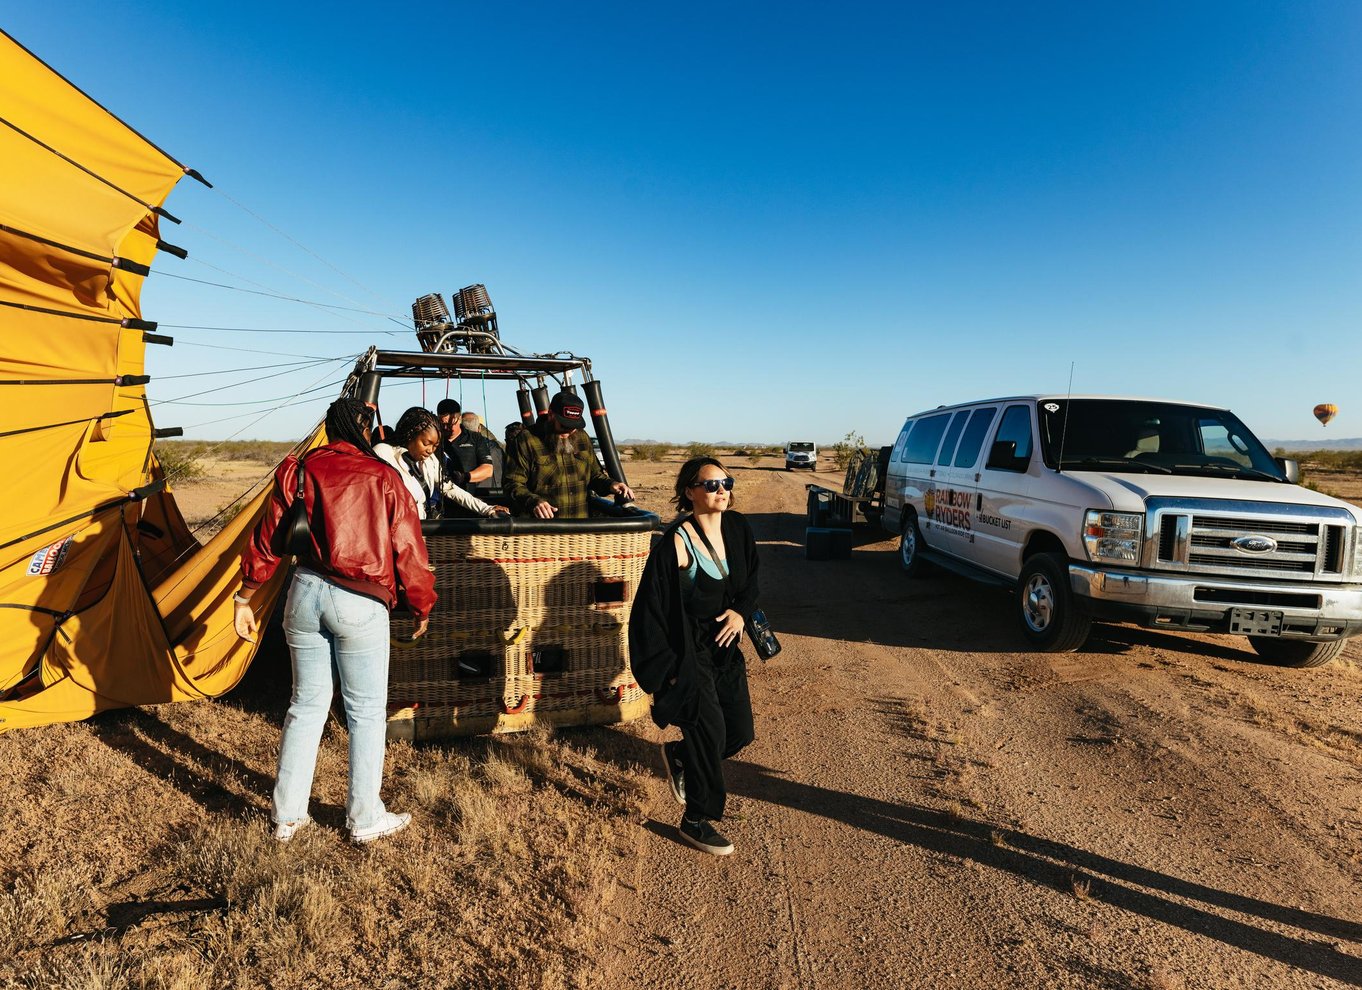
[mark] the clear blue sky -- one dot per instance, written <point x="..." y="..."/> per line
<point x="761" y="221"/>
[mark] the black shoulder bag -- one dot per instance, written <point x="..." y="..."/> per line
<point x="757" y="625"/>
<point x="297" y="529"/>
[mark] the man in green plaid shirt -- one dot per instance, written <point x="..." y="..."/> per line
<point x="551" y="468"/>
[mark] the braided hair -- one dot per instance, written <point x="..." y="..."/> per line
<point x="412" y="424"/>
<point x="347" y="419"/>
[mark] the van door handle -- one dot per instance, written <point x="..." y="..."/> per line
<point x="931" y="473"/>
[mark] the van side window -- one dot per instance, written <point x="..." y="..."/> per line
<point x="979" y="422"/>
<point x="952" y="437"/>
<point x="1016" y="428"/>
<point x="897" y="455"/>
<point x="925" y="438"/>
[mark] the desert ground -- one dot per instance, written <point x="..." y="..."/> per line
<point x="927" y="804"/>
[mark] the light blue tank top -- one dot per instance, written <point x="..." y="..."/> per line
<point x="697" y="561"/>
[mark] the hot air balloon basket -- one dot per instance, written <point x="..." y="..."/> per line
<point x="530" y="629"/>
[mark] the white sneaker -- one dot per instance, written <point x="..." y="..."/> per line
<point x="387" y="824"/>
<point x="283" y="831"/>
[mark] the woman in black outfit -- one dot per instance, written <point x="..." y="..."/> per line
<point x="699" y="587"/>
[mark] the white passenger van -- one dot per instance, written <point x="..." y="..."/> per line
<point x="801" y="454"/>
<point x="1167" y="514"/>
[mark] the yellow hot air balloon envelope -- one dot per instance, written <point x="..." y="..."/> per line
<point x="1324" y="412"/>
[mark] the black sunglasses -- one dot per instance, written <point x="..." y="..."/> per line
<point x="712" y="485"/>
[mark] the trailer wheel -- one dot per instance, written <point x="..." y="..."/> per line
<point x="1296" y="652"/>
<point x="910" y="548"/>
<point x="1053" y="618"/>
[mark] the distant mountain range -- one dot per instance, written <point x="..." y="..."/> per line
<point x="1341" y="443"/>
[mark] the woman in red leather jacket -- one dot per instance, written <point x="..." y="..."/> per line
<point x="365" y="543"/>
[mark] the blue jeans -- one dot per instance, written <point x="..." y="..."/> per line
<point x="334" y="634"/>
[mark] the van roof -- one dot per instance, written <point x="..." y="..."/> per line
<point x="1052" y="397"/>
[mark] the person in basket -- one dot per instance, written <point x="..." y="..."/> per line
<point x="414" y="453"/>
<point x="698" y="588"/>
<point x="364" y="543"/>
<point x="465" y="457"/>
<point x="551" y="469"/>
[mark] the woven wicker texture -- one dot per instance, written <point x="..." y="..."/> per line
<point x="529" y="627"/>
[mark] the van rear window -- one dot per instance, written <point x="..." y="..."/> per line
<point x="925" y="438"/>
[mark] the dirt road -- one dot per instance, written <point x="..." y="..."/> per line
<point x="927" y="805"/>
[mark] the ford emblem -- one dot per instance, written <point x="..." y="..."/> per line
<point x="1254" y="544"/>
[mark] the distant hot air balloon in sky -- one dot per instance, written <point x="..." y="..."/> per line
<point x="1324" y="412"/>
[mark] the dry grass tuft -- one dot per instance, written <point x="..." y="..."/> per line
<point x="513" y="838"/>
<point x="1081" y="886"/>
<point x="1162" y="978"/>
<point x="39" y="906"/>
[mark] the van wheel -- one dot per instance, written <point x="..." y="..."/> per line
<point x="1052" y="617"/>
<point x="1295" y="652"/>
<point x="910" y="549"/>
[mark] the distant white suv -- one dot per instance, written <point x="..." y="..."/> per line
<point x="801" y="454"/>
<point x="1167" y="514"/>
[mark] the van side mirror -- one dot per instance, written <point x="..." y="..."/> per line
<point x="1290" y="467"/>
<point x="1003" y="456"/>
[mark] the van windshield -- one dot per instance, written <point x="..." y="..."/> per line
<point x="801" y="446"/>
<point x="1152" y="438"/>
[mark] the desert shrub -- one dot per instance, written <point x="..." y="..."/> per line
<point x="1332" y="460"/>
<point x="259" y="451"/>
<point x="179" y="461"/>
<point x="649" y="451"/>
<point x="699" y="449"/>
<point x="847" y="448"/>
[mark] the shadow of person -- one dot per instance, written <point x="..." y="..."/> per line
<point x="466" y="663"/>
<point x="1047" y="863"/>
<point x="578" y="650"/>
<point x="197" y="771"/>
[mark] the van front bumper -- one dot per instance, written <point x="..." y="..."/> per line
<point x="1204" y="603"/>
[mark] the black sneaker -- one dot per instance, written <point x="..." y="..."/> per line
<point x="675" y="770"/>
<point x="703" y="836"/>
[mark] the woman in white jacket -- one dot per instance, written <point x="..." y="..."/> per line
<point x="416" y="437"/>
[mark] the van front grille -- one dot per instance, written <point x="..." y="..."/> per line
<point x="1168" y="535"/>
<point x="1334" y="538"/>
<point x="1266" y="599"/>
<point x="1212" y="545"/>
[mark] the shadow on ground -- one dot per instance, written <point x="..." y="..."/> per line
<point x="1057" y="866"/>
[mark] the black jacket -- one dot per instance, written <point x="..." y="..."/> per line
<point x="660" y="646"/>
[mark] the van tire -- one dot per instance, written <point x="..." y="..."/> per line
<point x="910" y="548"/>
<point x="1053" y="618"/>
<point x="1296" y="652"/>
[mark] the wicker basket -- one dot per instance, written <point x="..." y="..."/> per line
<point x="530" y="628"/>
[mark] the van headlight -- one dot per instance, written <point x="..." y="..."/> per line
<point x="1356" y="572"/>
<point x="1113" y="535"/>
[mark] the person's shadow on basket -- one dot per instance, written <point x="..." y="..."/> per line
<point x="577" y="651"/>
<point x="459" y="668"/>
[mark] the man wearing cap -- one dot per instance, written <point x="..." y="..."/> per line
<point x="465" y="456"/>
<point x="551" y="469"/>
